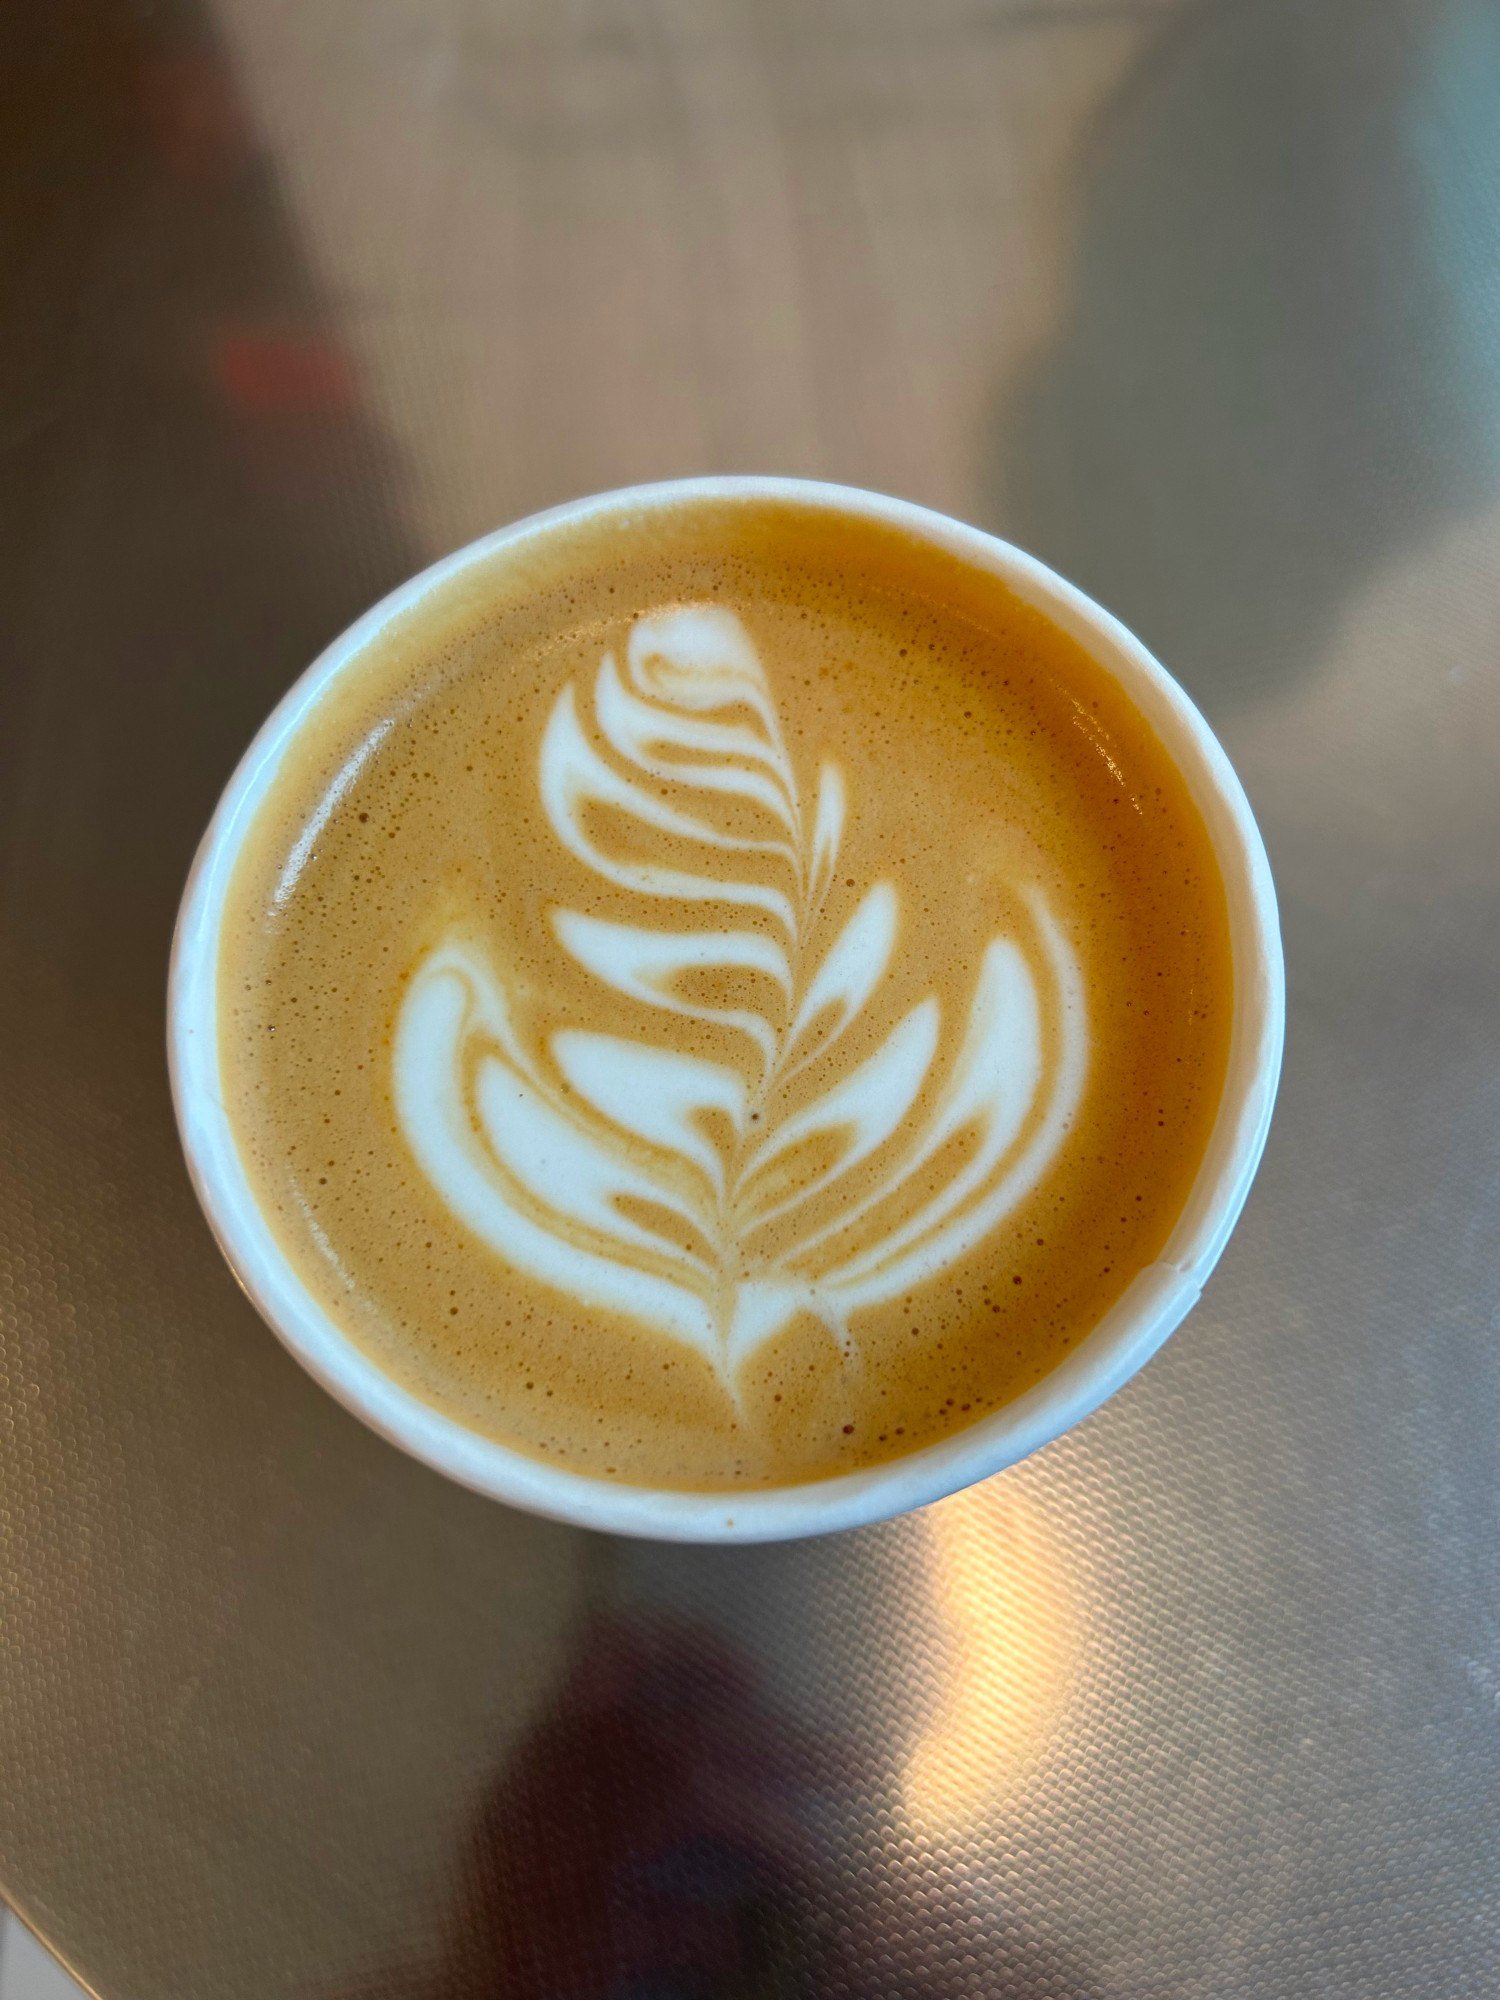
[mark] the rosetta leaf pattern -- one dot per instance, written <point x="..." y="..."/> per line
<point x="722" y="1170"/>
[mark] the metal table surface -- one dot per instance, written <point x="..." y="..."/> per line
<point x="1199" y="302"/>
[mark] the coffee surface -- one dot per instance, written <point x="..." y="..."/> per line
<point x="723" y="995"/>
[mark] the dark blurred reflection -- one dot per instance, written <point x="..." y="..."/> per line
<point x="656" y="1835"/>
<point x="192" y="500"/>
<point x="1279" y="360"/>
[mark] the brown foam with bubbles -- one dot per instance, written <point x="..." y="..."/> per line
<point x="985" y="753"/>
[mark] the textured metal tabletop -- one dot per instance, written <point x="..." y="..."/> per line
<point x="1201" y="303"/>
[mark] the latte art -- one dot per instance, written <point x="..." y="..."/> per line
<point x="716" y="1201"/>
<point x="722" y="995"/>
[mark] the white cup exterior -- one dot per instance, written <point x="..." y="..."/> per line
<point x="1152" y="1306"/>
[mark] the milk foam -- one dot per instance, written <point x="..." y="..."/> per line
<point x="642" y="1178"/>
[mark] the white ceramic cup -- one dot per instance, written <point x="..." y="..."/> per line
<point x="1151" y="1307"/>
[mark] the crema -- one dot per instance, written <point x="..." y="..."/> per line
<point x="724" y="995"/>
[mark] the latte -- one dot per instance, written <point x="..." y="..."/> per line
<point x="721" y="996"/>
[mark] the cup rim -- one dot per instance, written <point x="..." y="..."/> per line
<point x="1126" y="1337"/>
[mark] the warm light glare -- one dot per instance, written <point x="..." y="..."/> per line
<point x="1008" y="1631"/>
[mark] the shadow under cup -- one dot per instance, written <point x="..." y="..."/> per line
<point x="1150" y="1308"/>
